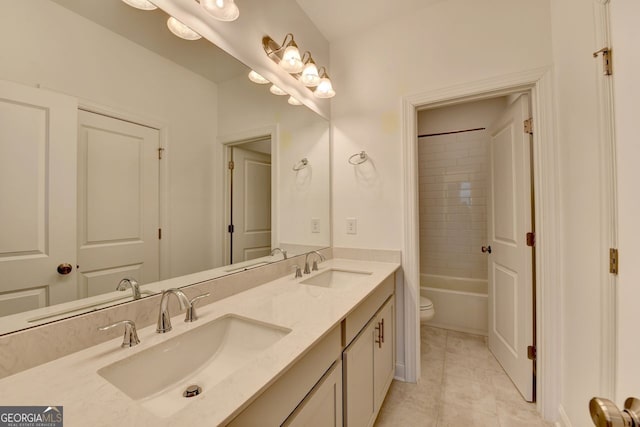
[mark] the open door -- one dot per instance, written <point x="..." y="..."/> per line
<point x="511" y="313"/>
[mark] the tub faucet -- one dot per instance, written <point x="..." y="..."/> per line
<point x="276" y="250"/>
<point x="164" y="320"/>
<point x="315" y="262"/>
<point x="130" y="282"/>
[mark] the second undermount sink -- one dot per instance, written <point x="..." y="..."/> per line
<point x="335" y="277"/>
<point x="158" y="376"/>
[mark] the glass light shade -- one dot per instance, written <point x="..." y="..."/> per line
<point x="293" y="101"/>
<point x="276" y="90"/>
<point x="310" y="76"/>
<point x="222" y="10"/>
<point x="181" y="30"/>
<point x="257" y="78"/>
<point x="141" y="4"/>
<point x="291" y="61"/>
<point x="325" y="88"/>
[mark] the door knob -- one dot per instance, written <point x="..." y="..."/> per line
<point x="64" y="269"/>
<point x="486" y="249"/>
<point x="605" y="413"/>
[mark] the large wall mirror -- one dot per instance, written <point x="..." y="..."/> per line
<point x="128" y="152"/>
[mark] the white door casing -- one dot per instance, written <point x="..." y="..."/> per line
<point x="118" y="203"/>
<point x="37" y="189"/>
<point x="510" y="261"/>
<point x="251" y="201"/>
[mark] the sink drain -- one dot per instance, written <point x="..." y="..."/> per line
<point x="192" y="390"/>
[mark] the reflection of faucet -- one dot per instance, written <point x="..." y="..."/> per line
<point x="130" y="282"/>
<point x="284" y="253"/>
<point x="315" y="263"/>
<point x="164" y="320"/>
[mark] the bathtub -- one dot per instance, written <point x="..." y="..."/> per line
<point x="461" y="304"/>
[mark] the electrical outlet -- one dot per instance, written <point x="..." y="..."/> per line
<point x="315" y="225"/>
<point x="352" y="226"/>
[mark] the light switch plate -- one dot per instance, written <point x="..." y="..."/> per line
<point x="315" y="225"/>
<point x="352" y="226"/>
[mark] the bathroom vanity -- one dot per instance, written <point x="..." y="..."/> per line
<point x="276" y="354"/>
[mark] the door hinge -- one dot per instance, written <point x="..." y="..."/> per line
<point x="607" y="63"/>
<point x="159" y="233"/>
<point x="231" y="165"/>
<point x="528" y="126"/>
<point x="531" y="239"/>
<point x="160" y="151"/>
<point x="614" y="266"/>
<point x="531" y="352"/>
<point x="230" y="228"/>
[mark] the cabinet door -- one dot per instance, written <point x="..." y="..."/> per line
<point x="358" y="360"/>
<point x="323" y="406"/>
<point x="384" y="351"/>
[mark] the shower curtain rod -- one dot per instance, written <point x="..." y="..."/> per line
<point x="449" y="133"/>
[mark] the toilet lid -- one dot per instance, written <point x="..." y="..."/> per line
<point x="425" y="303"/>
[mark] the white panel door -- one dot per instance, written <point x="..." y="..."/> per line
<point x="251" y="205"/>
<point x="37" y="197"/>
<point x="510" y="261"/>
<point x="118" y="203"/>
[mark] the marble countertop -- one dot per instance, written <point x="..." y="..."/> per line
<point x="309" y="311"/>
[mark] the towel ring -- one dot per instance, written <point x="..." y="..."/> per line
<point x="301" y="164"/>
<point x="361" y="158"/>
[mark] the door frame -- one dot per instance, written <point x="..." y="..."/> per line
<point x="548" y="251"/>
<point x="239" y="138"/>
<point x="163" y="171"/>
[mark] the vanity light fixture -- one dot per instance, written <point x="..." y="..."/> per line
<point x="257" y="78"/>
<point x="141" y="4"/>
<point x="276" y="90"/>
<point x="222" y="10"/>
<point x="181" y="30"/>
<point x="304" y="69"/>
<point x="310" y="76"/>
<point x="293" y="101"/>
<point x="325" y="88"/>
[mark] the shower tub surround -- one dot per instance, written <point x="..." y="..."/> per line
<point x="309" y="312"/>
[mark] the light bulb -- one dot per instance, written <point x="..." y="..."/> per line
<point x="310" y="76"/>
<point x="222" y="10"/>
<point x="291" y="61"/>
<point x="141" y="4"/>
<point x="325" y="88"/>
<point x="293" y="101"/>
<point x="276" y="90"/>
<point x="181" y="30"/>
<point x="257" y="78"/>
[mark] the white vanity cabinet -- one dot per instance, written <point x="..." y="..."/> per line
<point x="368" y="367"/>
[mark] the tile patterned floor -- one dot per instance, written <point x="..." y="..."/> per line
<point x="462" y="385"/>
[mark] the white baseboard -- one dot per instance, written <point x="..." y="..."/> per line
<point x="564" y="419"/>
<point x="400" y="372"/>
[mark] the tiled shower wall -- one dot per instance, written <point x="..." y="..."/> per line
<point x="453" y="207"/>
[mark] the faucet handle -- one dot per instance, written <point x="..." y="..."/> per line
<point x="191" y="315"/>
<point x="130" y="335"/>
<point x="298" y="271"/>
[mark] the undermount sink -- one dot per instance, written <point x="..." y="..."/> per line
<point x="157" y="377"/>
<point x="335" y="277"/>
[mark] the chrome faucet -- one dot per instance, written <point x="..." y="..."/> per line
<point x="130" y="335"/>
<point x="164" y="320"/>
<point x="276" y="250"/>
<point x="130" y="282"/>
<point x="315" y="262"/>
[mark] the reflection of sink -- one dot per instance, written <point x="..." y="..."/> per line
<point x="85" y="308"/>
<point x="157" y="377"/>
<point x="246" y="266"/>
<point x="335" y="277"/>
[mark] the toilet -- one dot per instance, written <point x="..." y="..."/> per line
<point x="426" y="309"/>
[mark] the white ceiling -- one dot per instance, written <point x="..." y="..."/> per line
<point x="338" y="18"/>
